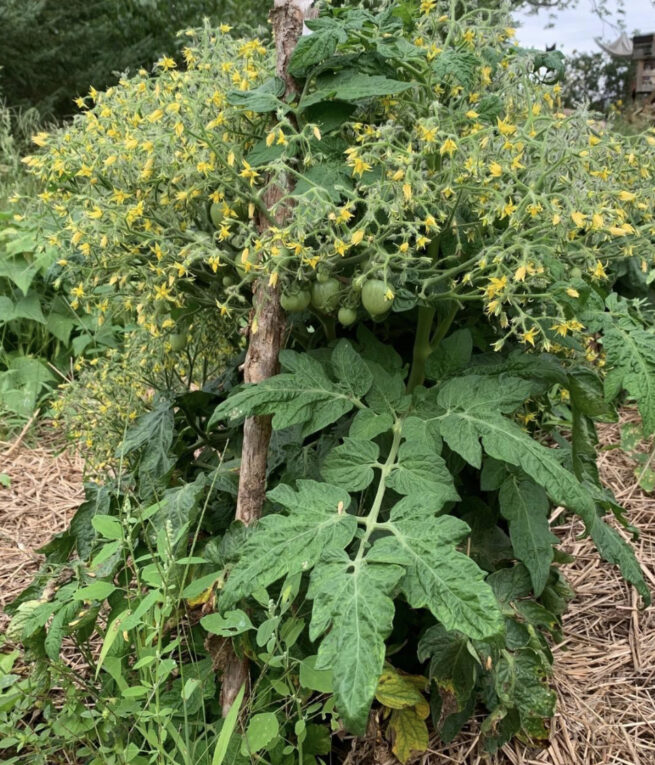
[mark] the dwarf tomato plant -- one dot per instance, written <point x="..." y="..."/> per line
<point x="467" y="234"/>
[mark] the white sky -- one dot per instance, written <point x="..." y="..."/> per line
<point x="576" y="29"/>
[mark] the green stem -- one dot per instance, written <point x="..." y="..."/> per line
<point x="422" y="347"/>
<point x="444" y="326"/>
<point x="300" y="717"/>
<point x="372" y="519"/>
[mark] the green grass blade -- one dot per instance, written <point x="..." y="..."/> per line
<point x="228" y="729"/>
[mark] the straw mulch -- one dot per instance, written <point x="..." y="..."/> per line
<point x="604" y="668"/>
<point x="46" y="488"/>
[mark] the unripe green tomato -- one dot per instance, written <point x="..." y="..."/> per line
<point x="228" y="281"/>
<point x="216" y="214"/>
<point x="373" y="297"/>
<point x="296" y="301"/>
<point x="347" y="316"/>
<point x="322" y="275"/>
<point x="576" y="273"/>
<point x="325" y="295"/>
<point x="178" y="341"/>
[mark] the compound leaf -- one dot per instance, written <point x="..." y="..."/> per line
<point x="467" y="423"/>
<point x="352" y="597"/>
<point x="303" y="396"/>
<point x="439" y="577"/>
<point x="284" y="544"/>
<point x="630" y="360"/>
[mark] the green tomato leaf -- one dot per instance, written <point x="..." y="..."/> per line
<point x="354" y="86"/>
<point x="350" y="370"/>
<point x="420" y="470"/>
<point x="525" y="505"/>
<point x="312" y="49"/>
<point x="265" y="98"/>
<point x="630" y="362"/>
<point x="438" y="576"/>
<point x="351" y="464"/>
<point x="367" y="425"/>
<point x="352" y="597"/>
<point x="453" y="355"/>
<point x="304" y="396"/>
<point x="468" y="424"/>
<point x="284" y="544"/>
<point x="452" y="664"/>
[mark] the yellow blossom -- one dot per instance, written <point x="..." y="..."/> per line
<point x="520" y="274"/>
<point x="598" y="271"/>
<point x="167" y="63"/>
<point x="505" y="128"/>
<point x="496" y="285"/>
<point x="249" y="173"/>
<point x="448" y="147"/>
<point x="529" y="336"/>
<point x="578" y="218"/>
<point x="40" y="139"/>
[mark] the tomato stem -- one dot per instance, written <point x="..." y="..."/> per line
<point x="422" y="348"/>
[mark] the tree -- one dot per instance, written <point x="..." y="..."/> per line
<point x="52" y="51"/>
<point x="597" y="79"/>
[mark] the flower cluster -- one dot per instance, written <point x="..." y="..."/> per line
<point x="465" y="182"/>
<point x="109" y="391"/>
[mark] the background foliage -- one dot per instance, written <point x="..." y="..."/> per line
<point x="52" y="51"/>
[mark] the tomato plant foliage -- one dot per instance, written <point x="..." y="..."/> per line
<point x="469" y="236"/>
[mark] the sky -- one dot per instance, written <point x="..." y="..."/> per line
<point x="575" y="29"/>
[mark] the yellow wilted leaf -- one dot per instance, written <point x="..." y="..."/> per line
<point x="397" y="691"/>
<point x="409" y="733"/>
<point x="201" y="599"/>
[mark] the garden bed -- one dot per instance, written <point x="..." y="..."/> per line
<point x="604" y="667"/>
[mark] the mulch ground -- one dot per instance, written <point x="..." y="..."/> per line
<point x="604" y="667"/>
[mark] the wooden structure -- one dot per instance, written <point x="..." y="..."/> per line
<point x="643" y="52"/>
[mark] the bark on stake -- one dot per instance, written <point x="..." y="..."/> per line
<point x="287" y="18"/>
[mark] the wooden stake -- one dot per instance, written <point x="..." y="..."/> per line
<point x="287" y="18"/>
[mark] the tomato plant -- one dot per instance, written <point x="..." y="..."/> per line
<point x="419" y="450"/>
